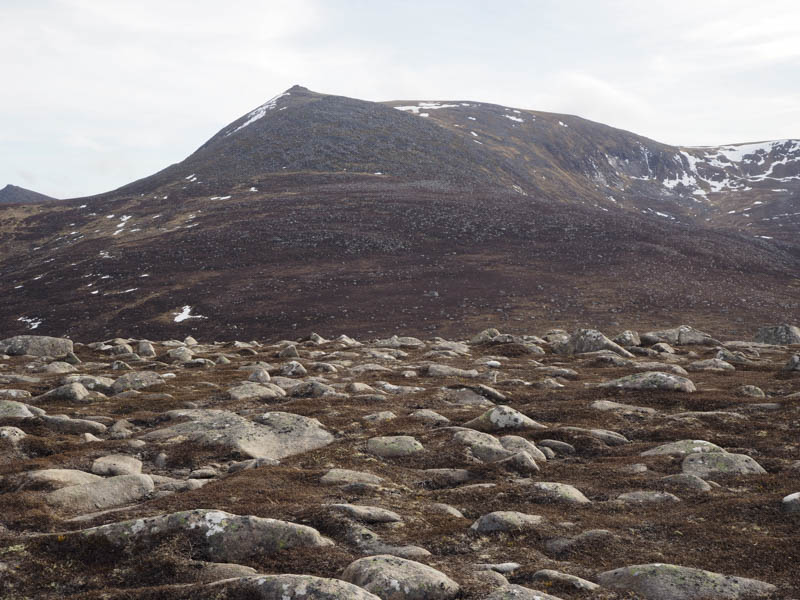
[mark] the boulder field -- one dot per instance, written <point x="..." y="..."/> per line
<point x="657" y="465"/>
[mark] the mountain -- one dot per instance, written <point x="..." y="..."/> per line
<point x="12" y="194"/>
<point x="323" y="212"/>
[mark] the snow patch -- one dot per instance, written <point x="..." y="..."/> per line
<point x="31" y="322"/>
<point x="517" y="119"/>
<point x="425" y="106"/>
<point x="185" y="314"/>
<point x="259" y="112"/>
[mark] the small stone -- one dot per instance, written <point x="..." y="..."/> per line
<point x="549" y="577"/>
<point x="647" y="497"/>
<point x="791" y="503"/>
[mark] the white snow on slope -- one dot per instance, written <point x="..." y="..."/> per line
<point x="259" y="112"/>
<point x="31" y="322"/>
<point x="425" y="106"/>
<point x="186" y="313"/>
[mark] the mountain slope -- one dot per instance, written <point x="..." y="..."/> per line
<point x="384" y="218"/>
<point x="12" y="194"/>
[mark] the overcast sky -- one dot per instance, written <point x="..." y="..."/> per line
<point x="97" y="93"/>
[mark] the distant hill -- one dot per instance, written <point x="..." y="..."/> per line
<point x="321" y="212"/>
<point x="12" y="194"/>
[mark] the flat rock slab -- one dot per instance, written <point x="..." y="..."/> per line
<point x="276" y="435"/>
<point x="708" y="465"/>
<point x="393" y="578"/>
<point x="282" y="587"/>
<point x="652" y="380"/>
<point x="683" y="335"/>
<point x="549" y="577"/>
<point x="647" y="496"/>
<point x="35" y="345"/>
<point x="672" y="582"/>
<point x="217" y="535"/>
<point x="99" y="495"/>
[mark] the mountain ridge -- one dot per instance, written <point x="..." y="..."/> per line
<point x="487" y="210"/>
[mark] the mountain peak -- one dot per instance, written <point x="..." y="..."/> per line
<point x="13" y="194"/>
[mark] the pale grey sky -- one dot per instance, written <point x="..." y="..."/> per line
<point x="97" y="93"/>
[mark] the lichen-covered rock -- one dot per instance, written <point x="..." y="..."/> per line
<point x="117" y="464"/>
<point x="367" y="514"/>
<point x="681" y="336"/>
<point x="55" y="479"/>
<point x="672" y="582"/>
<point x="346" y="477"/>
<point x="255" y="391"/>
<point x="711" y="364"/>
<point x="506" y="520"/>
<point x="793" y="364"/>
<point x="589" y="340"/>
<point x="393" y="446"/>
<point x="778" y="334"/>
<point x="483" y="446"/>
<point x="9" y="409"/>
<point x="628" y="338"/>
<point x="275" y="435"/>
<point x="550" y="491"/>
<point x="502" y="418"/>
<point x="652" y="380"/>
<point x="647" y="496"/>
<point x="282" y="587"/>
<point x="136" y="380"/>
<point x="99" y="495"/>
<point x="35" y="345"/>
<point x="682" y="448"/>
<point x="708" y="465"/>
<point x="393" y="578"/>
<point x="518" y="592"/>
<point x="214" y="534"/>
<point x="448" y="371"/>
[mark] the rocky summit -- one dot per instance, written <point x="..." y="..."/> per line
<point x="549" y="464"/>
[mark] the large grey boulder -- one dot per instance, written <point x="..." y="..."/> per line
<point x="214" y="534"/>
<point x="501" y="418"/>
<point x="71" y="392"/>
<point x="250" y="390"/>
<point x="9" y="409"/>
<point x="99" y="495"/>
<point x="275" y="435"/>
<point x="652" y="380"/>
<point x="393" y="578"/>
<point x="137" y="380"/>
<point x="393" y="446"/>
<point x="682" y="448"/>
<point x="54" y="479"/>
<point x="681" y="336"/>
<point x="589" y="340"/>
<point x="551" y="491"/>
<point x="780" y="335"/>
<point x="483" y="446"/>
<point x="506" y="520"/>
<point x="672" y="582"/>
<point x="708" y="465"/>
<point x="282" y="587"/>
<point x="793" y="364"/>
<point x="35" y="345"/>
<point x="518" y="592"/>
<point x="117" y="464"/>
